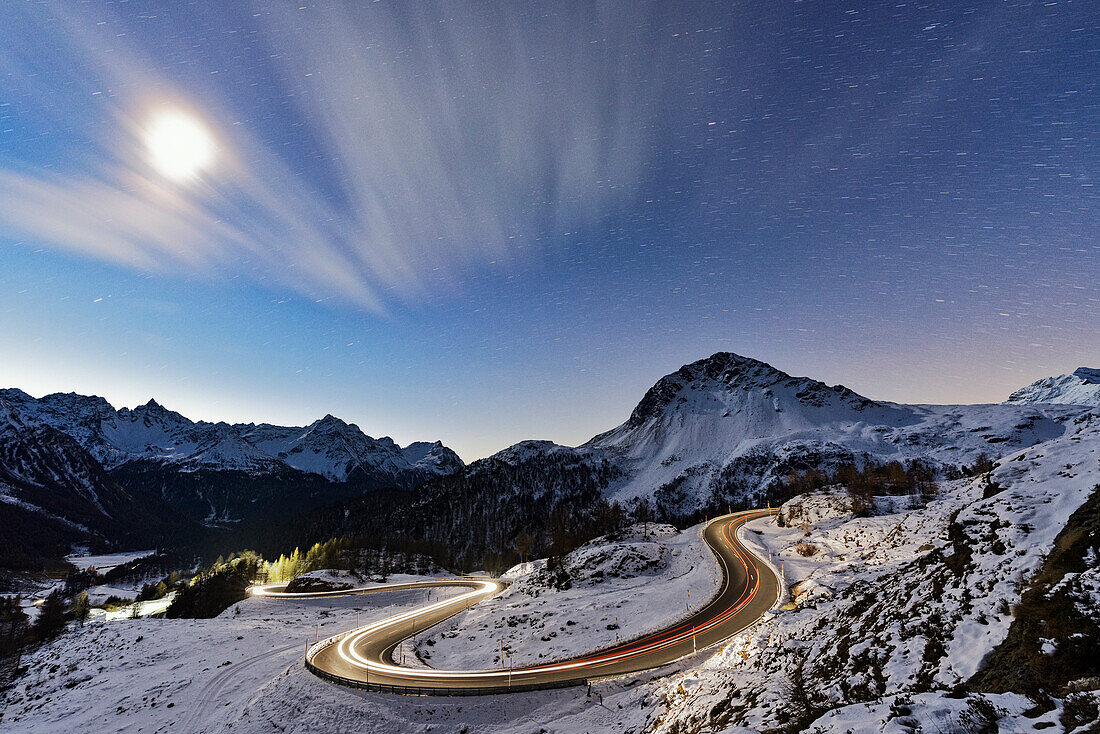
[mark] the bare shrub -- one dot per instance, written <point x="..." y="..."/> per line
<point x="805" y="549"/>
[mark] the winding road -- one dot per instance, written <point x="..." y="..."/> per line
<point x="363" y="657"/>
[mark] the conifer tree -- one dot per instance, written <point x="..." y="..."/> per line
<point x="82" y="607"/>
<point x="51" y="616"/>
<point x="14" y="628"/>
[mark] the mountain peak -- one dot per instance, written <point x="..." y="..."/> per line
<point x="1082" y="387"/>
<point x="332" y="423"/>
<point x="726" y="372"/>
<point x="14" y="393"/>
<point x="155" y="409"/>
<point x="713" y="367"/>
<point x="152" y="414"/>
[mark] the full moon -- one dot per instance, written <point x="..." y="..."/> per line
<point x="180" y="146"/>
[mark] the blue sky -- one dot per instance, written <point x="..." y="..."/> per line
<point x="485" y="223"/>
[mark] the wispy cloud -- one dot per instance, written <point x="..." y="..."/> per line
<point x="445" y="135"/>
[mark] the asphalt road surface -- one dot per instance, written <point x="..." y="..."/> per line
<point x="363" y="657"/>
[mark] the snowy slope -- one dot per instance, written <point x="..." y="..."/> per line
<point x="106" y="562"/>
<point x="242" y="672"/>
<point x="80" y="416"/>
<point x="1082" y="387"/>
<point x="329" y="447"/>
<point x="891" y="607"/>
<point x="178" y="675"/>
<point x="49" y="471"/>
<point x="619" y="588"/>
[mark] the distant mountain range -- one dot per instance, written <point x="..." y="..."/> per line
<point x="329" y="446"/>
<point x="73" y="469"/>
<point x="719" y="432"/>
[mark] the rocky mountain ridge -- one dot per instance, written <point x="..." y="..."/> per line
<point x="329" y="446"/>
<point x="1081" y="387"/>
<point x="76" y="471"/>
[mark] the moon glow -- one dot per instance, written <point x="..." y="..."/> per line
<point x="180" y="147"/>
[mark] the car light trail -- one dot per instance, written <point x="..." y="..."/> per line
<point x="364" y="654"/>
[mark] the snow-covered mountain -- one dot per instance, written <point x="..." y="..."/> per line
<point x="35" y="455"/>
<point x="167" y="476"/>
<point x="725" y="429"/>
<point x="1082" y="387"/>
<point x="340" y="450"/>
<point x="54" y="493"/>
<point x="729" y="424"/>
<point x="151" y="433"/>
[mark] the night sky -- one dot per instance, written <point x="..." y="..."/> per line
<point x="483" y="223"/>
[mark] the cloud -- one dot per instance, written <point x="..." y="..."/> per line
<point x="444" y="135"/>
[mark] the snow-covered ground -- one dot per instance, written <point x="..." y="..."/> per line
<point x="243" y="672"/>
<point x="33" y="592"/>
<point x="934" y="712"/>
<point x="182" y="675"/>
<point x="135" y="609"/>
<point x="101" y="593"/>
<point x="244" y="668"/>
<point x="326" y="579"/>
<point x="104" y="563"/>
<point x="124" y="591"/>
<point x="329" y="579"/>
<point x="619" y="589"/>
